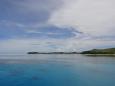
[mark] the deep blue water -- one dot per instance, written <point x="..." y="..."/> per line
<point x="56" y="70"/>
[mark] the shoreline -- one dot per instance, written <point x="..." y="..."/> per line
<point x="99" y="54"/>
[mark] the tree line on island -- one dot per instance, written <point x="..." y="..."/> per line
<point x="100" y="51"/>
<point x="52" y="52"/>
<point x="93" y="51"/>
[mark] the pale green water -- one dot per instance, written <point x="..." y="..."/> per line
<point x="56" y="70"/>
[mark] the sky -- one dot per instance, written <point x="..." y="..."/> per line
<point x="56" y="25"/>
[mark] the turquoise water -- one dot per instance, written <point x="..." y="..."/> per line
<point x="56" y="70"/>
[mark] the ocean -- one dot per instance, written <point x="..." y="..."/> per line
<point x="56" y="70"/>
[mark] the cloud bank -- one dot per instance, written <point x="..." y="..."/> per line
<point x="94" y="17"/>
<point x="51" y="25"/>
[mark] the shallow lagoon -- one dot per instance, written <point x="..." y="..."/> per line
<point x="56" y="70"/>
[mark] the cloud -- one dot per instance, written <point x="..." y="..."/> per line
<point x="37" y="5"/>
<point x="18" y="30"/>
<point x="94" y="17"/>
<point x="27" y="11"/>
<point x="26" y="45"/>
<point x="7" y="23"/>
<point x="51" y="31"/>
<point x="56" y="25"/>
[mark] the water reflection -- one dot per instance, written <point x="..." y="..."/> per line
<point x="56" y="70"/>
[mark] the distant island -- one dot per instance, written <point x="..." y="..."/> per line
<point x="100" y="51"/>
<point x="109" y="51"/>
<point x="52" y="52"/>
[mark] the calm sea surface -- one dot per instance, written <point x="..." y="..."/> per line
<point x="56" y="70"/>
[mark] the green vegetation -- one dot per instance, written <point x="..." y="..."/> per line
<point x="109" y="51"/>
<point x="100" y="51"/>
<point x="52" y="53"/>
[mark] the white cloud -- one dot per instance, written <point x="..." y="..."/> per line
<point x="94" y="17"/>
<point x="25" y="45"/>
